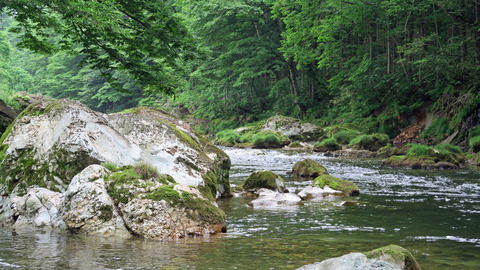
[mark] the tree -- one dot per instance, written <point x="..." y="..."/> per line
<point x="142" y="38"/>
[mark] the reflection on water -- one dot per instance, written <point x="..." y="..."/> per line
<point x="434" y="214"/>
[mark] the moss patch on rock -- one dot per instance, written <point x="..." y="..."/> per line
<point x="263" y="179"/>
<point x="396" y="255"/>
<point x="329" y="144"/>
<point x="308" y="168"/>
<point x="197" y="208"/>
<point x="388" y="151"/>
<point x="418" y="156"/>
<point x="369" y="142"/>
<point x="347" y="187"/>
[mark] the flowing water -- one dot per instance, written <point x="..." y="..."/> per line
<point x="434" y="214"/>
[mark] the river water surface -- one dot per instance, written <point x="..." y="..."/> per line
<point x="434" y="214"/>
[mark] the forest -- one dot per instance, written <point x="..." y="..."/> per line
<point x="375" y="64"/>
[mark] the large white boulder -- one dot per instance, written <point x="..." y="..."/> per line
<point x="53" y="140"/>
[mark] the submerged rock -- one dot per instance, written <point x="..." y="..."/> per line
<point x="40" y="207"/>
<point x="386" y="258"/>
<point x="53" y="140"/>
<point x="264" y="179"/>
<point x="315" y="193"/>
<point x="308" y="168"/>
<point x="269" y="199"/>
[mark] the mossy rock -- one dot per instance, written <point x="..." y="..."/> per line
<point x="418" y="162"/>
<point x="369" y="142"/>
<point x="308" y="168"/>
<point x="347" y="187"/>
<point x="295" y="144"/>
<point x="269" y="139"/>
<point x="388" y="151"/>
<point x="396" y="255"/>
<point x="326" y="145"/>
<point x="264" y="179"/>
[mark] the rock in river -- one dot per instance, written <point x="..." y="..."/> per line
<point x="386" y="258"/>
<point x="53" y="140"/>
<point x="168" y="178"/>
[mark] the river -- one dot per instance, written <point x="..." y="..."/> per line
<point x="434" y="214"/>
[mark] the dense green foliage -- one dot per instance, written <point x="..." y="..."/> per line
<point x="373" y="63"/>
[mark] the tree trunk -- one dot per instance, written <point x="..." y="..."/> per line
<point x="293" y="82"/>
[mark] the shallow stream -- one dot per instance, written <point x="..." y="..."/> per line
<point x="434" y="214"/>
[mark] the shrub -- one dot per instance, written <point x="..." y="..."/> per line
<point x="267" y="139"/>
<point x="110" y="166"/>
<point x="227" y="137"/>
<point x="474" y="132"/>
<point x="448" y="148"/>
<point x="437" y="129"/>
<point x="345" y="136"/>
<point x="363" y="140"/>
<point x="475" y="143"/>
<point x="418" y="150"/>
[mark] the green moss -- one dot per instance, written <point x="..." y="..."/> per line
<point x="388" y="151"/>
<point x="329" y="144"/>
<point x="227" y="137"/>
<point x="437" y="130"/>
<point x="198" y="209"/>
<point x="347" y="187"/>
<point x="369" y="142"/>
<point x="475" y="144"/>
<point x="166" y="193"/>
<point x="110" y="166"/>
<point x="419" y="150"/>
<point x="396" y="255"/>
<point x="308" y="168"/>
<point x="269" y="139"/>
<point x="448" y="148"/>
<point x="346" y="135"/>
<point x="295" y="144"/>
<point x="106" y="212"/>
<point x="209" y="189"/>
<point x="185" y="138"/>
<point x="262" y="179"/>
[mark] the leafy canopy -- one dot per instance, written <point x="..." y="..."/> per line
<point x="141" y="37"/>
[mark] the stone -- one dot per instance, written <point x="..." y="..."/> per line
<point x="7" y="116"/>
<point x="39" y="208"/>
<point x="293" y="128"/>
<point x="351" y="153"/>
<point x="318" y="193"/>
<point x="88" y="209"/>
<point x="264" y="179"/>
<point x="308" y="168"/>
<point x="156" y="208"/>
<point x="369" y="142"/>
<point x="269" y="199"/>
<point x="386" y="258"/>
<point x="347" y="187"/>
<point x="53" y="140"/>
<point x="419" y="162"/>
